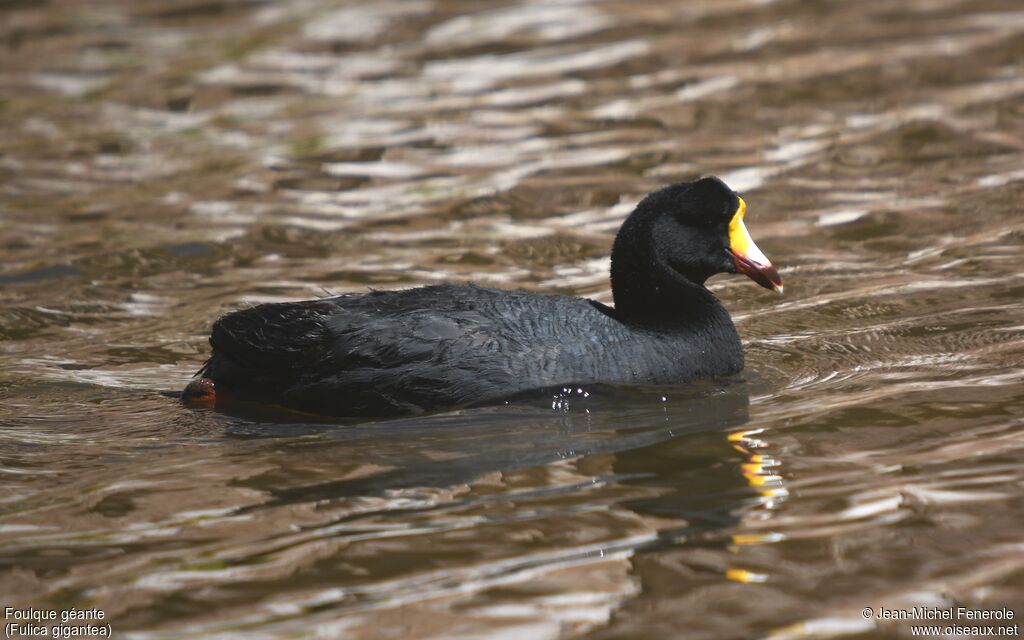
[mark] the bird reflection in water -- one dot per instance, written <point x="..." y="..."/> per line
<point x="764" y="475"/>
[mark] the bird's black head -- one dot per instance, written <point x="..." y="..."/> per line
<point x="679" y="237"/>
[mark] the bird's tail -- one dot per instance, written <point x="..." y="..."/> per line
<point x="265" y="349"/>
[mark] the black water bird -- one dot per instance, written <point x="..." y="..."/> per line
<point x="387" y="353"/>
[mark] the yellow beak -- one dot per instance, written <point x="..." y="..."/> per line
<point x="747" y="257"/>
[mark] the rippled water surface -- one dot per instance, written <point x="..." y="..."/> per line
<point x="162" y="163"/>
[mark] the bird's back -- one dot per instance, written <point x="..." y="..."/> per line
<point x="396" y="352"/>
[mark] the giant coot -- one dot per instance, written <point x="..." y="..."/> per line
<point x="387" y="353"/>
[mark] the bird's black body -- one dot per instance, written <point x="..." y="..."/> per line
<point x="398" y="352"/>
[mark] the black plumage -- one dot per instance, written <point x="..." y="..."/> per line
<point x="388" y="353"/>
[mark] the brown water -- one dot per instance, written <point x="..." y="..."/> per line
<point x="164" y="162"/>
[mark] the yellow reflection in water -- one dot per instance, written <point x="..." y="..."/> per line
<point x="763" y="474"/>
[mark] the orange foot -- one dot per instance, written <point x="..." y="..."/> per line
<point x="201" y="392"/>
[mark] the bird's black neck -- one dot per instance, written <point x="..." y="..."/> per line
<point x="648" y="290"/>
